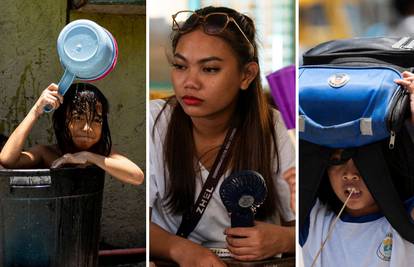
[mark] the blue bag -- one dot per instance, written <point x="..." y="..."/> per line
<point x="347" y="106"/>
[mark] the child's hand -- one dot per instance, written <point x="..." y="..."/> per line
<point x="290" y="178"/>
<point x="264" y="240"/>
<point x="408" y="84"/>
<point x="50" y="96"/>
<point x="76" y="158"/>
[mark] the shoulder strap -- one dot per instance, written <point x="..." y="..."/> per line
<point x="193" y="215"/>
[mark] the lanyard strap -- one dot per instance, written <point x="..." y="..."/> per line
<point x="193" y="215"/>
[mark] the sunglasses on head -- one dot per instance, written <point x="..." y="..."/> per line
<point x="213" y="23"/>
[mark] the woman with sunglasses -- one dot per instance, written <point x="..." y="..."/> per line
<point x="215" y="77"/>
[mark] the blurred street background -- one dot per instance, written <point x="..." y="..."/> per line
<point x="274" y="20"/>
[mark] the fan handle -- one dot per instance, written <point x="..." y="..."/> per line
<point x="242" y="219"/>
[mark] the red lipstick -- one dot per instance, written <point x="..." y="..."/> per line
<point x="191" y="100"/>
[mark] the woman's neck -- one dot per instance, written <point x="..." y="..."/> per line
<point x="208" y="138"/>
<point x="209" y="135"/>
<point x="215" y="125"/>
<point x="208" y="128"/>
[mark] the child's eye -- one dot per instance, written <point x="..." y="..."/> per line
<point x="77" y="117"/>
<point x="97" y="120"/>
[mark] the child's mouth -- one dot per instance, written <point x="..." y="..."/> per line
<point x="356" y="192"/>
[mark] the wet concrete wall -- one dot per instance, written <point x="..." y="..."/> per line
<point x="29" y="62"/>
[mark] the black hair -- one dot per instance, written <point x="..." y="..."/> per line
<point x="231" y="34"/>
<point x="81" y="97"/>
<point x="399" y="163"/>
<point x="404" y="7"/>
<point x="327" y="195"/>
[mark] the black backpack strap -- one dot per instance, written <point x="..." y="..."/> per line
<point x="373" y="168"/>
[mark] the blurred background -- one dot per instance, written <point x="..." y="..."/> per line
<point x="29" y="63"/>
<point x="274" y="20"/>
<point x="323" y="20"/>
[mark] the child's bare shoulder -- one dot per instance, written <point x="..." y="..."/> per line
<point x="48" y="153"/>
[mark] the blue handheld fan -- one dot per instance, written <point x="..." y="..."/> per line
<point x="242" y="193"/>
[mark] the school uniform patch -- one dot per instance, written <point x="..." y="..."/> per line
<point x="385" y="248"/>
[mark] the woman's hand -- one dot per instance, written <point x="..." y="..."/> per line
<point x="165" y="245"/>
<point x="259" y="242"/>
<point x="407" y="83"/>
<point x="290" y="178"/>
<point x="50" y="96"/>
<point x="76" y="158"/>
<point x="194" y="255"/>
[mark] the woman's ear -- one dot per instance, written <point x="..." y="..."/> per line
<point x="250" y="71"/>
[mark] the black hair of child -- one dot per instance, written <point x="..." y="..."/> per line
<point x="82" y="98"/>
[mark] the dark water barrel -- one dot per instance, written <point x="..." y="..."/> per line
<point x="50" y="218"/>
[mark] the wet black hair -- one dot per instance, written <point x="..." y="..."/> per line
<point x="81" y="97"/>
<point x="3" y="140"/>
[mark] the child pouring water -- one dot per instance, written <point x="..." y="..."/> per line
<point x="80" y="122"/>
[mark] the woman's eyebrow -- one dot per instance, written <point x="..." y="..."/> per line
<point x="179" y="56"/>
<point x="208" y="59"/>
<point x="200" y="61"/>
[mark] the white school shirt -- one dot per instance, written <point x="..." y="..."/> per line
<point x="368" y="241"/>
<point x="215" y="218"/>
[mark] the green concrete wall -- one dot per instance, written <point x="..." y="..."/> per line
<point x="29" y="62"/>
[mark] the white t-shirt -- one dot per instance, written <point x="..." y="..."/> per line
<point x="215" y="218"/>
<point x="368" y="241"/>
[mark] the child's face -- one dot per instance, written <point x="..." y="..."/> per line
<point x="343" y="179"/>
<point x="206" y="76"/>
<point x="86" y="132"/>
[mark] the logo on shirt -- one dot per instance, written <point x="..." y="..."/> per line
<point x="385" y="248"/>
